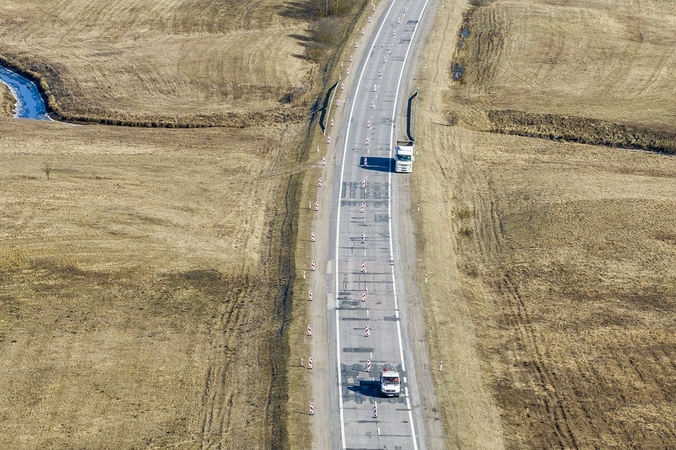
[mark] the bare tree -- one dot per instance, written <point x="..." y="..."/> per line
<point x="47" y="168"/>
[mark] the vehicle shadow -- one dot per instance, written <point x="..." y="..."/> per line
<point x="377" y="164"/>
<point x="367" y="388"/>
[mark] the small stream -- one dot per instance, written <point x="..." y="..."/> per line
<point x="29" y="102"/>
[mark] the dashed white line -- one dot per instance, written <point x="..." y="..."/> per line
<point x="389" y="207"/>
<point x="340" y="199"/>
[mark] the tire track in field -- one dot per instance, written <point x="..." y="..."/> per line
<point x="216" y="408"/>
<point x="521" y="323"/>
<point x="244" y="384"/>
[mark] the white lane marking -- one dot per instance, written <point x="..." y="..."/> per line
<point x="389" y="213"/>
<point x="340" y="200"/>
<point x="340" y="381"/>
<point x="389" y="205"/>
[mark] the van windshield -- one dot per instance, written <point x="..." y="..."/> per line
<point x="404" y="157"/>
<point x="390" y="380"/>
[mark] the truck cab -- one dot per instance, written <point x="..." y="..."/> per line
<point x="390" y="383"/>
<point x="403" y="156"/>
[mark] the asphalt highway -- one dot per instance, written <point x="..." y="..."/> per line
<point x="361" y="277"/>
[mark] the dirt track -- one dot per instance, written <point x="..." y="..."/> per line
<point x="551" y="265"/>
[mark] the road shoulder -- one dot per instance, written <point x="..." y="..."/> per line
<point x="468" y="411"/>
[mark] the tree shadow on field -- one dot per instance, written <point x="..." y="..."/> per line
<point x="301" y="38"/>
<point x="377" y="164"/>
<point x="303" y="41"/>
<point x="297" y="10"/>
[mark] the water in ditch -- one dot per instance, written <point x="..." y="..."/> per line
<point x="29" y="102"/>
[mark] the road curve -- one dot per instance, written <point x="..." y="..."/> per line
<point x="363" y="246"/>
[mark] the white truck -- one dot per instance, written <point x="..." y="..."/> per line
<point x="403" y="156"/>
<point x="390" y="384"/>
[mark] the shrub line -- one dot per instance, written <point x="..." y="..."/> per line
<point x="582" y="130"/>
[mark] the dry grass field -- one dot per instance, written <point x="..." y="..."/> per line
<point x="6" y="101"/>
<point x="146" y="275"/>
<point x="605" y="60"/>
<point x="141" y="286"/>
<point x="144" y="272"/>
<point x="581" y="346"/>
<point x="168" y="61"/>
<point x="552" y="290"/>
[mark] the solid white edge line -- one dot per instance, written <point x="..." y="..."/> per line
<point x="340" y="382"/>
<point x="389" y="207"/>
<point x="340" y="200"/>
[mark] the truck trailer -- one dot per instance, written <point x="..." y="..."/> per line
<point x="403" y="156"/>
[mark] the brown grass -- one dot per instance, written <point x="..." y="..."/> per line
<point x="6" y="101"/>
<point x="168" y="253"/>
<point x="142" y="287"/>
<point x="584" y="282"/>
<point x="554" y="316"/>
<point x="300" y="392"/>
<point x="581" y="129"/>
<point x="175" y="62"/>
<point x="606" y="61"/>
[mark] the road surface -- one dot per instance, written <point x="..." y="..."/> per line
<point x="363" y="287"/>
